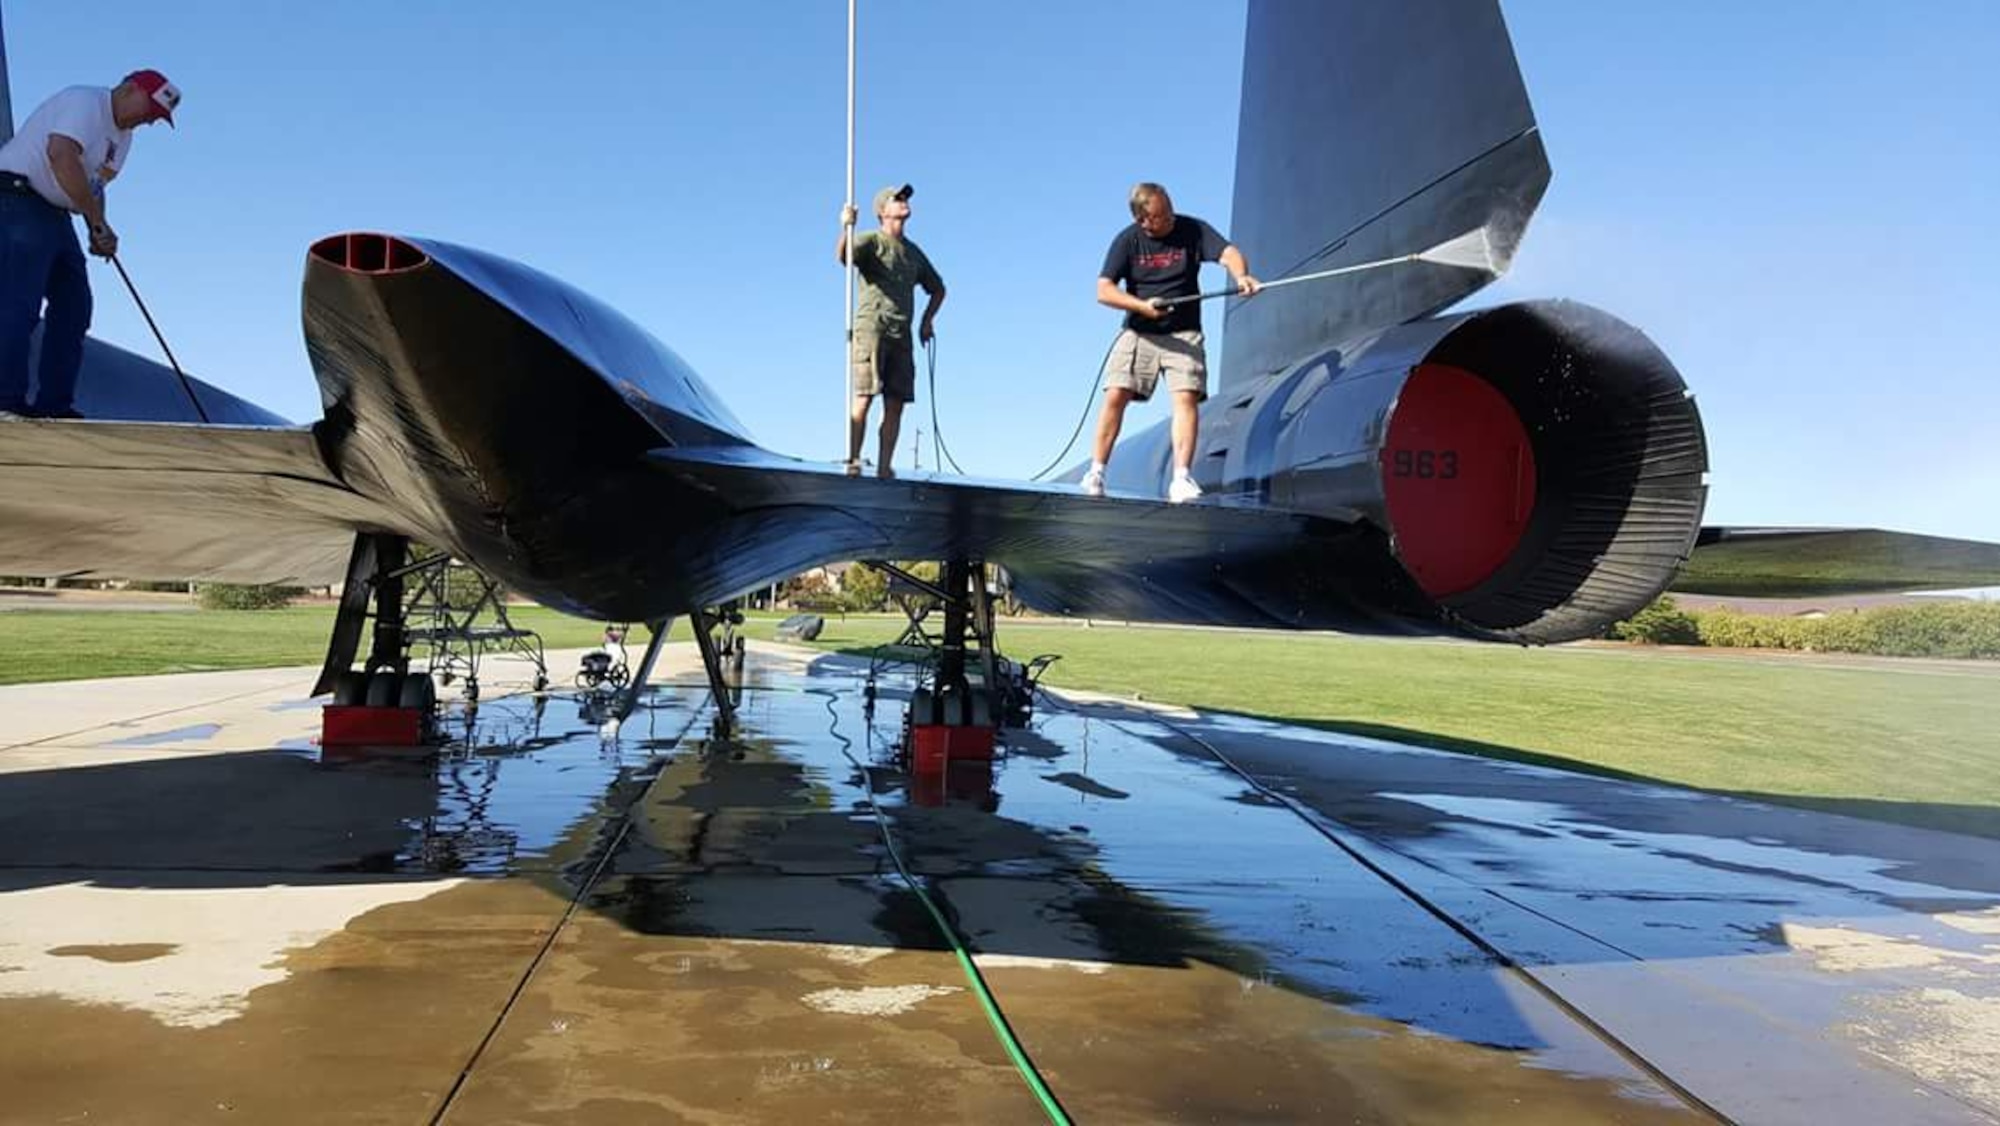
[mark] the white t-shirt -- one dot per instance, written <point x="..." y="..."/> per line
<point x="81" y="113"/>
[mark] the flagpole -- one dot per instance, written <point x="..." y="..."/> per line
<point x="847" y="304"/>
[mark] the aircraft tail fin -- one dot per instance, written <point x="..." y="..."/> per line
<point x="1373" y="131"/>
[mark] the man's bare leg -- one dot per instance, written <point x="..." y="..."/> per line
<point x="1187" y="428"/>
<point x="857" y="428"/>
<point x="892" y="428"/>
<point x="1109" y="420"/>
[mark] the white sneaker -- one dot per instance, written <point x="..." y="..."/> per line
<point x="1183" y="490"/>
<point x="1093" y="483"/>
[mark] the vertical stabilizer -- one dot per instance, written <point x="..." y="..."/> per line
<point x="6" y="88"/>
<point x="1371" y="130"/>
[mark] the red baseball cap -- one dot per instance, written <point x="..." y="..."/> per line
<point x="166" y="96"/>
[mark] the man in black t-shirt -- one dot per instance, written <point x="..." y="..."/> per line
<point x="1159" y="256"/>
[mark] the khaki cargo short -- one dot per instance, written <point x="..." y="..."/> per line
<point x="1137" y="359"/>
<point x="885" y="365"/>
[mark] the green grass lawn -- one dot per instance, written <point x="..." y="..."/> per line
<point x="37" y="645"/>
<point x="1912" y="741"/>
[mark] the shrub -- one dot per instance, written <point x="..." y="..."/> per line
<point x="1946" y="629"/>
<point x="1662" y="623"/>
<point x="1943" y="630"/>
<point x="231" y="596"/>
<point x="1849" y="631"/>
<point x="1732" y="629"/>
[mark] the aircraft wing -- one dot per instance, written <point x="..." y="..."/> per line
<point x="1115" y="556"/>
<point x="173" y="501"/>
<point x="1808" y="562"/>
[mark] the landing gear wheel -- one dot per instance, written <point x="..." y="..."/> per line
<point x="383" y="689"/>
<point x="417" y="692"/>
<point x="541" y="683"/>
<point x="952" y="713"/>
<point x="471" y="690"/>
<point x="350" y="688"/>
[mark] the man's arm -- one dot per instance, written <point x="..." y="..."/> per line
<point x="1215" y="248"/>
<point x="66" y="161"/>
<point x="924" y="329"/>
<point x="933" y="283"/>
<point x="1108" y="293"/>
<point x="1116" y="260"/>
<point x="1239" y="268"/>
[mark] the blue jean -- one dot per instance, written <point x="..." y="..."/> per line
<point x="40" y="259"/>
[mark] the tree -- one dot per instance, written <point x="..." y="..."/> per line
<point x="864" y="588"/>
<point x="809" y="587"/>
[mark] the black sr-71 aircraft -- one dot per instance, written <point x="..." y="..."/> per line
<point x="1526" y="473"/>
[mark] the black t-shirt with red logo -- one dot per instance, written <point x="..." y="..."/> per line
<point x="1164" y="267"/>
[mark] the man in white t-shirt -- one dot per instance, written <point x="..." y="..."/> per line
<point x="58" y="165"/>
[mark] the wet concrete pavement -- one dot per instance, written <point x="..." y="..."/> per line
<point x="1787" y="965"/>
<point x="201" y="920"/>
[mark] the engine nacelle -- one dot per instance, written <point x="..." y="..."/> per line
<point x="1537" y="469"/>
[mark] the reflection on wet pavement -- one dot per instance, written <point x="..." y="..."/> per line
<point x="1142" y="926"/>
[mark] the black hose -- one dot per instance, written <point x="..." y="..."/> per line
<point x="1088" y="399"/>
<point x="937" y="431"/>
<point x="937" y="434"/>
<point x="171" y="362"/>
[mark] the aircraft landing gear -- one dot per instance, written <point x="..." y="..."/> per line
<point x="965" y="690"/>
<point x="413" y="598"/>
<point x="715" y="635"/>
<point x="383" y="703"/>
<point x="716" y="652"/>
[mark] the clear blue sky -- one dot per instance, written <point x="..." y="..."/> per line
<point x="1793" y="198"/>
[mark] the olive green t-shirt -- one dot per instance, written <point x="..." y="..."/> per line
<point x="890" y="270"/>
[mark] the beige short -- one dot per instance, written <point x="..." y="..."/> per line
<point x="1137" y="359"/>
<point x="885" y="365"/>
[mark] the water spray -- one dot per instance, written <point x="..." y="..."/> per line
<point x="1469" y="251"/>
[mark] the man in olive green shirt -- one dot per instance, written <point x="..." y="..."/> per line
<point x="884" y="363"/>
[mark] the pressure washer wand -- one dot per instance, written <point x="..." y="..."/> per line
<point x="171" y="362"/>
<point x="1471" y="250"/>
<point x="1232" y="291"/>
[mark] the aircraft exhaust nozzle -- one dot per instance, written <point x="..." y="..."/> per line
<point x="1580" y="468"/>
<point x="1536" y="470"/>
<point x="363" y="253"/>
